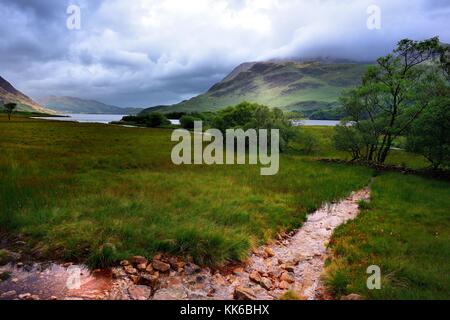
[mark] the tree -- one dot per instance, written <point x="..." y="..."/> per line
<point x="392" y="96"/>
<point x="187" y="121"/>
<point x="156" y="119"/>
<point x="10" y="107"/>
<point x="430" y="134"/>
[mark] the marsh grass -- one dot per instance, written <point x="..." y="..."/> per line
<point x="78" y="190"/>
<point x="405" y="230"/>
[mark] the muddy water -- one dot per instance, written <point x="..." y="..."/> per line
<point x="54" y="281"/>
<point x="294" y="262"/>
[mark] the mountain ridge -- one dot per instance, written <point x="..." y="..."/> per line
<point x="8" y="93"/>
<point x="290" y="84"/>
<point x="67" y="104"/>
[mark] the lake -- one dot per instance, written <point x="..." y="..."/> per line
<point x="87" y="118"/>
<point x="108" y="118"/>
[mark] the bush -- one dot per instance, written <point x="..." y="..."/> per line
<point x="156" y="119"/>
<point x="187" y="122"/>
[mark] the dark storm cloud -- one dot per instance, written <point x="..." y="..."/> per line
<point x="148" y="52"/>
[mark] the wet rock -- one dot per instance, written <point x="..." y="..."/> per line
<point x="139" y="292"/>
<point x="134" y="279"/>
<point x="284" y="285"/>
<point x="141" y="266"/>
<point x="117" y="273"/>
<point x="288" y="267"/>
<point x="130" y="270"/>
<point x="255" y="277"/>
<point x="149" y="280"/>
<point x="124" y="263"/>
<point x="288" y="277"/>
<point x="266" y="283"/>
<point x="241" y="293"/>
<point x="137" y="260"/>
<point x="191" y="268"/>
<point x="352" y="296"/>
<point x="173" y="293"/>
<point x="238" y="271"/>
<point x="269" y="252"/>
<point x="160" y="266"/>
<point x="25" y="296"/>
<point x="8" y="295"/>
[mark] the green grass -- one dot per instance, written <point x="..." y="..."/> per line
<point x="100" y="193"/>
<point x="405" y="230"/>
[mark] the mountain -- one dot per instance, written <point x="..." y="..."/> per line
<point x="77" y="105"/>
<point x="292" y="85"/>
<point x="24" y="103"/>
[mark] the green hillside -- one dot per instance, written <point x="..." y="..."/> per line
<point x="290" y="85"/>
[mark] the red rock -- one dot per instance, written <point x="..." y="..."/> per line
<point x="161" y="266"/>
<point x="136" y="260"/>
<point x="255" y="277"/>
<point x="241" y="293"/>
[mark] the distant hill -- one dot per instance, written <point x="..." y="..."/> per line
<point x="77" y="105"/>
<point x="24" y="103"/>
<point x="292" y="85"/>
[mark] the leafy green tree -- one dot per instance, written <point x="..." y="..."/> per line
<point x="393" y="95"/>
<point x="156" y="119"/>
<point x="10" y="107"/>
<point x="187" y="121"/>
<point x="430" y="134"/>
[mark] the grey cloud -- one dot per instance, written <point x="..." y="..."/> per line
<point x="142" y="53"/>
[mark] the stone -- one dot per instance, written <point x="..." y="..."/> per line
<point x="124" y="263"/>
<point x="149" y="280"/>
<point x="238" y="271"/>
<point x="160" y="266"/>
<point x="35" y="297"/>
<point x="130" y="270"/>
<point x="149" y="268"/>
<point x="173" y="263"/>
<point x="266" y="283"/>
<point x="171" y="294"/>
<point x="25" y="296"/>
<point x="241" y="293"/>
<point x="139" y="292"/>
<point x="53" y="298"/>
<point x="134" y="279"/>
<point x="8" y="295"/>
<point x="255" y="276"/>
<point x="191" y="268"/>
<point x="141" y="266"/>
<point x="288" y="277"/>
<point x="352" y="296"/>
<point x="14" y="280"/>
<point x="19" y="264"/>
<point x="288" y="267"/>
<point x="269" y="252"/>
<point x="284" y="285"/>
<point x="137" y="260"/>
<point x="219" y="279"/>
<point x="118" y="273"/>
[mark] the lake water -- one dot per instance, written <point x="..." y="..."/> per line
<point x="87" y="118"/>
<point x="310" y="123"/>
<point x="108" y="118"/>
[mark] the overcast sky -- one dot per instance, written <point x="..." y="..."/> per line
<point x="149" y="52"/>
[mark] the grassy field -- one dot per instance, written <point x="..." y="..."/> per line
<point x="405" y="230"/>
<point x="73" y="189"/>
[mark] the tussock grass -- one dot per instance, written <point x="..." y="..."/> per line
<point x="405" y="230"/>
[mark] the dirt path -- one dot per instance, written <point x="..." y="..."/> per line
<point x="294" y="262"/>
